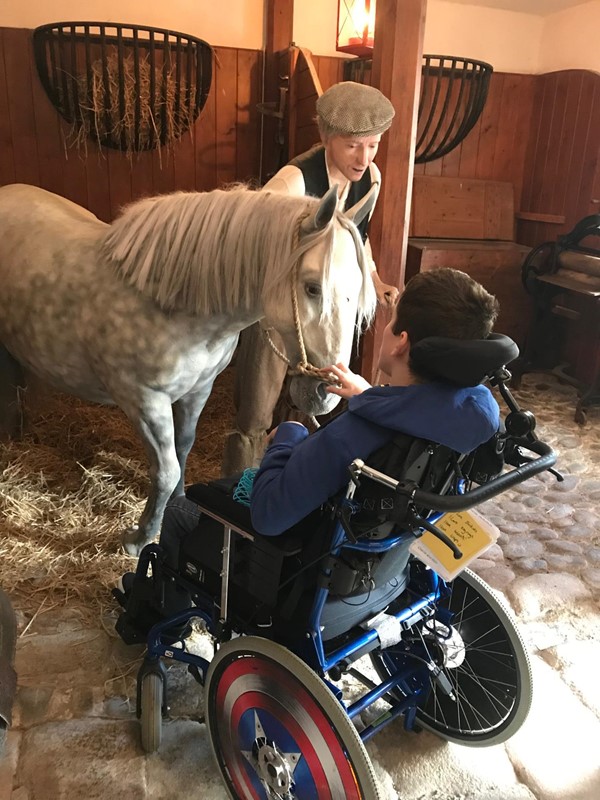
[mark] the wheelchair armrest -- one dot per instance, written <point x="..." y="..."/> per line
<point x="214" y="501"/>
<point x="462" y="502"/>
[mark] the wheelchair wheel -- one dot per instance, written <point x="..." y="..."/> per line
<point x="151" y="711"/>
<point x="482" y="655"/>
<point x="278" y="732"/>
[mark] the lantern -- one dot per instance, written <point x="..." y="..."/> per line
<point x="355" y="27"/>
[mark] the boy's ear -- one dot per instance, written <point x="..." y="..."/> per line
<point x="401" y="344"/>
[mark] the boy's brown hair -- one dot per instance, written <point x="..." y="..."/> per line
<point x="445" y="302"/>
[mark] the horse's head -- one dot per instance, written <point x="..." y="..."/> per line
<point x="329" y="297"/>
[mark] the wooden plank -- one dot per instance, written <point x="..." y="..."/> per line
<point x="489" y="128"/>
<point x="575" y="84"/>
<point x="533" y="139"/>
<point x="581" y="132"/>
<point x="522" y="127"/>
<point x="469" y="150"/>
<point x="163" y="170"/>
<point x="205" y="141"/>
<point x="591" y="158"/>
<point x="248" y="86"/>
<point x="553" y="155"/>
<point x="541" y="155"/>
<point x="499" y="211"/>
<point x="98" y="185"/>
<point x="328" y="71"/>
<point x="306" y="62"/>
<point x="510" y="111"/>
<point x="460" y="208"/>
<point x="142" y="179"/>
<point x="119" y="180"/>
<point x="74" y="170"/>
<point x="51" y="151"/>
<point x="20" y="105"/>
<point x="451" y="163"/>
<point x="7" y="160"/>
<point x="534" y="216"/>
<point x="226" y="115"/>
<point x="184" y="162"/>
<point x="280" y="24"/>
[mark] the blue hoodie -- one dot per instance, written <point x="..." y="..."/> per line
<point x="300" y="472"/>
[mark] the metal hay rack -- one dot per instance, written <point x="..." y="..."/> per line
<point x="131" y="88"/>
<point x="453" y="94"/>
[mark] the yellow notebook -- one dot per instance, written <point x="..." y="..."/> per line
<point x="472" y="534"/>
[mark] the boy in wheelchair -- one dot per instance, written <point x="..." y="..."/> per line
<point x="300" y="473"/>
<point x="328" y="572"/>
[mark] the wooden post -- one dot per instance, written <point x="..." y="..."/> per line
<point x="280" y="23"/>
<point x="397" y="57"/>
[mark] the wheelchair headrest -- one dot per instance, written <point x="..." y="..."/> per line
<point x="464" y="362"/>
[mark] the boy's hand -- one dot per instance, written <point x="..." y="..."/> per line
<point x="349" y="384"/>
<point x="270" y="436"/>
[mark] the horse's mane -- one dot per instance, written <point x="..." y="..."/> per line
<point x="215" y="252"/>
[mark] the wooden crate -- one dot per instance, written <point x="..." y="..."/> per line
<point x="457" y="208"/>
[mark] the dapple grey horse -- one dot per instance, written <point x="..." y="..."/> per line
<point x="146" y="312"/>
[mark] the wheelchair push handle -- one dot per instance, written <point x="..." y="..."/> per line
<point x="462" y="502"/>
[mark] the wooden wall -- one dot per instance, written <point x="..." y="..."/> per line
<point x="540" y="132"/>
<point x="224" y="147"/>
<point x="562" y="167"/>
<point x="495" y="149"/>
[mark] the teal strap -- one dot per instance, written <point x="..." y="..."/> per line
<point x="243" y="490"/>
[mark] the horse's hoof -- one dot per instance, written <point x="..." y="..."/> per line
<point x="131" y="542"/>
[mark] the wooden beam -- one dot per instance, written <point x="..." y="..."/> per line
<point x="280" y="24"/>
<point x="397" y="59"/>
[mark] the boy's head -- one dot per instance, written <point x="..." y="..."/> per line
<point x="443" y="302"/>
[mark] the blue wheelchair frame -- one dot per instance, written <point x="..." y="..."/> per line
<point x="317" y="660"/>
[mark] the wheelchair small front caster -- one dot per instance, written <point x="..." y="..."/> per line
<point x="151" y="702"/>
<point x="151" y="711"/>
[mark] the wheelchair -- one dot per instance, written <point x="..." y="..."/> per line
<point x="293" y="616"/>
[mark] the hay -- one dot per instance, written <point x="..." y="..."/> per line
<point x="71" y="485"/>
<point x="163" y="117"/>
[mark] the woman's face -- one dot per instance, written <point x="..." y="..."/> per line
<point x="351" y="155"/>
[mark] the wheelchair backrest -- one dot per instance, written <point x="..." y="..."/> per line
<point x="430" y="466"/>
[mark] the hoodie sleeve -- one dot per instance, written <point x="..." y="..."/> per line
<point x="298" y="472"/>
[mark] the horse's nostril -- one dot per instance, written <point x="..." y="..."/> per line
<point x="321" y="391"/>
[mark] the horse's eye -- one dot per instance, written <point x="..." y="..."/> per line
<point x="313" y="290"/>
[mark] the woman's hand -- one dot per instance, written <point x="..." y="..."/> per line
<point x="349" y="383"/>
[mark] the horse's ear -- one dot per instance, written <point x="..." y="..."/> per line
<point x="323" y="214"/>
<point x="364" y="207"/>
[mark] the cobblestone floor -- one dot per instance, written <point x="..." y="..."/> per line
<point x="75" y="734"/>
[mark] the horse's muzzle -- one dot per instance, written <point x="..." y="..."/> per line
<point x="309" y="396"/>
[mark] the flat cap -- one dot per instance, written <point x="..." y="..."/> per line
<point x="354" y="109"/>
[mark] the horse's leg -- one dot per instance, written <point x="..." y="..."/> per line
<point x="259" y="376"/>
<point x="186" y="411"/>
<point x="153" y="420"/>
